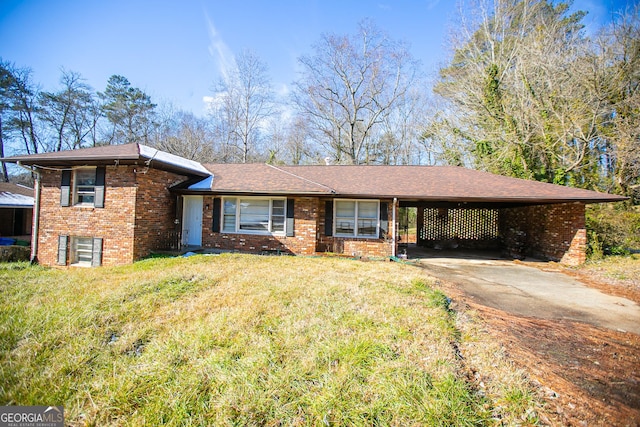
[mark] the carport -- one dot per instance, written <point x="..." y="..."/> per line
<point x="514" y="219"/>
<point x="550" y="231"/>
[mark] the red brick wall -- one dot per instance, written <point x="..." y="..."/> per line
<point x="309" y="235"/>
<point x="128" y="195"/>
<point x="155" y="212"/>
<point x="352" y="245"/>
<point x="554" y="232"/>
<point x="302" y="243"/>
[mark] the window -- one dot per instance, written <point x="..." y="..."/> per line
<point x="356" y="218"/>
<point x="84" y="186"/>
<point x="229" y="215"/>
<point x="253" y="215"/>
<point x="81" y="250"/>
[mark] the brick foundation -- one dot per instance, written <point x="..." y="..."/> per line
<point x="551" y="232"/>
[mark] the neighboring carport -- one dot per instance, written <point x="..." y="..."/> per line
<point x="16" y="211"/>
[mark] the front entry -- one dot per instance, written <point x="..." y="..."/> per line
<point x="192" y="221"/>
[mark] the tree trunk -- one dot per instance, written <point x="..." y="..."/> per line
<point x="5" y="174"/>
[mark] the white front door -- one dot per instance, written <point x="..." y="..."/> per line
<point x="192" y="221"/>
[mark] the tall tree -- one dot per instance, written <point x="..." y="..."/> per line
<point x="402" y="126"/>
<point x="348" y="85"/>
<point x="18" y="96"/>
<point x="71" y="113"/>
<point x="617" y="50"/>
<point x="515" y="93"/>
<point x="183" y="134"/>
<point x="242" y="106"/>
<point x="129" y="111"/>
<point x="5" y="105"/>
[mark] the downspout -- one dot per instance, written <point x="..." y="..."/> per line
<point x="36" y="214"/>
<point x="393" y="227"/>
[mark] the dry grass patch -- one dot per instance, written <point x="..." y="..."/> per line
<point x="246" y="340"/>
<point x="624" y="269"/>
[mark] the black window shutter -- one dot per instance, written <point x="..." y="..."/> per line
<point x="328" y="218"/>
<point x="63" y="242"/>
<point x="96" y="257"/>
<point x="290" y="218"/>
<point x="98" y="200"/>
<point x="215" y="227"/>
<point x="65" y="188"/>
<point x="384" y="220"/>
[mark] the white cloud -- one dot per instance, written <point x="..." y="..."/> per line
<point x="213" y="103"/>
<point x="431" y="4"/>
<point x="219" y="50"/>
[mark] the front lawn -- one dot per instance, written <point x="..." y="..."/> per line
<point x="250" y="340"/>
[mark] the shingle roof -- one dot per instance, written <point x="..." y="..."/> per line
<point x="15" y="196"/>
<point x="424" y="183"/>
<point x="123" y="154"/>
<point x="261" y="178"/>
<point x="409" y="183"/>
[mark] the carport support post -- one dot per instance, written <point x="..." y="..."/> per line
<point x="393" y="227"/>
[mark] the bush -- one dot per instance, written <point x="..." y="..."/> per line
<point x="14" y="253"/>
<point x="612" y="229"/>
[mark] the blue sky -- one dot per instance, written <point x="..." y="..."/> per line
<point x="176" y="50"/>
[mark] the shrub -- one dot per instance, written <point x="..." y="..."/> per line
<point x="612" y="229"/>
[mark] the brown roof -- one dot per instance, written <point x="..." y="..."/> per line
<point x="261" y="178"/>
<point x="122" y="154"/>
<point x="417" y="183"/>
<point x="15" y="196"/>
<point x="9" y="187"/>
<point x="407" y="183"/>
<point x="107" y="152"/>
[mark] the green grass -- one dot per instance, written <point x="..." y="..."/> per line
<point x="246" y="340"/>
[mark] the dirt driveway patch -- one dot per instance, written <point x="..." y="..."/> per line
<point x="580" y="344"/>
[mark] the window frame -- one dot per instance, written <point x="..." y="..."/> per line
<point x="237" y="216"/>
<point x="77" y="192"/>
<point x="74" y="252"/>
<point x="356" y="219"/>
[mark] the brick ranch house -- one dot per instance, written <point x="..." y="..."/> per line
<point x="116" y="204"/>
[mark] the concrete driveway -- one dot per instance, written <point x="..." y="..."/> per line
<point x="528" y="291"/>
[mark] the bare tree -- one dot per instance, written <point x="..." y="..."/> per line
<point x="71" y="113"/>
<point x="618" y="49"/>
<point x="517" y="91"/>
<point x="290" y="142"/>
<point x="19" y="99"/>
<point x="242" y="105"/>
<point x="348" y="86"/>
<point x="183" y="134"/>
<point x="402" y="127"/>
